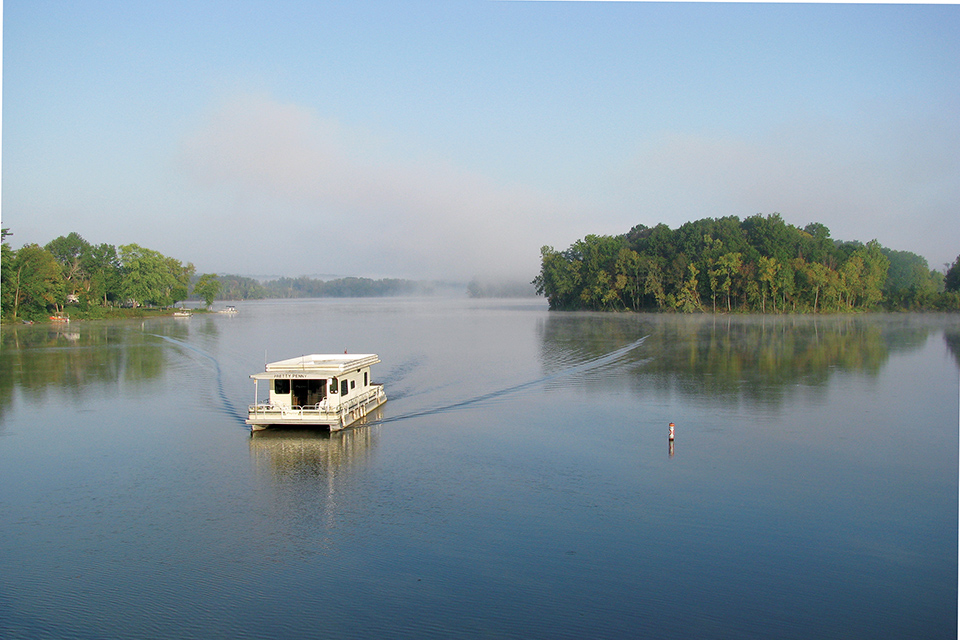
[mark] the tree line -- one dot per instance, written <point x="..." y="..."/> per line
<point x="69" y="273"/>
<point x="244" y="288"/>
<point x="36" y="281"/>
<point x="758" y="264"/>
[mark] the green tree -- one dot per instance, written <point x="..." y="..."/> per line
<point x="850" y="279"/>
<point x="767" y="271"/>
<point x="750" y="285"/>
<point x="598" y="256"/>
<point x="873" y="275"/>
<point x="559" y="278"/>
<point x="713" y="279"/>
<point x="832" y="292"/>
<point x="744" y="263"/>
<point x="907" y="274"/>
<point x="653" y="282"/>
<point x="770" y="236"/>
<point x="728" y="266"/>
<point x="815" y="243"/>
<point x="243" y="288"/>
<point x="786" y="283"/>
<point x="142" y="270"/>
<point x="180" y="287"/>
<point x="151" y="278"/>
<point x="629" y="273"/>
<point x="102" y="266"/>
<point x="713" y="249"/>
<point x="37" y="282"/>
<point x="688" y="300"/>
<point x="7" y="257"/>
<point x="951" y="282"/>
<point x="816" y="275"/>
<point x="68" y="251"/>
<point x="207" y="287"/>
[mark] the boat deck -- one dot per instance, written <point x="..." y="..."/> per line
<point x="262" y="415"/>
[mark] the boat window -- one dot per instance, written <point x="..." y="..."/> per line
<point x="281" y="385"/>
<point x="308" y="392"/>
<point x="344" y="389"/>
<point x="365" y="374"/>
<point x="353" y="384"/>
<point x="333" y="385"/>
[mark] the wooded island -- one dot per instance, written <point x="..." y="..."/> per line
<point x="757" y="265"/>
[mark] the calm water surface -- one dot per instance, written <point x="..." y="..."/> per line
<point x="519" y="482"/>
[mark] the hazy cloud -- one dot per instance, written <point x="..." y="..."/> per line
<point x="312" y="184"/>
<point x="300" y="193"/>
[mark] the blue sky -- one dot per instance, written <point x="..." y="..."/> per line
<point x="454" y="139"/>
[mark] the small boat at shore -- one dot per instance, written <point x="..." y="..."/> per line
<point x="228" y="309"/>
<point x="325" y="390"/>
<point x="182" y="313"/>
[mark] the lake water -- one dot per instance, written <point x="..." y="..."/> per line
<point x="519" y="483"/>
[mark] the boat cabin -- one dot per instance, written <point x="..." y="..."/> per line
<point x="318" y="389"/>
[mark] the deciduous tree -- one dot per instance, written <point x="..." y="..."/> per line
<point x="68" y="251"/>
<point x="37" y="282"/>
<point x="951" y="282"/>
<point x="150" y="278"/>
<point x="207" y="287"/>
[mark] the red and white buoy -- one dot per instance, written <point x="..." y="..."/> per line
<point x="672" y="428"/>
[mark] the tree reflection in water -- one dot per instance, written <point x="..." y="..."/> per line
<point x="760" y="360"/>
<point x="43" y="359"/>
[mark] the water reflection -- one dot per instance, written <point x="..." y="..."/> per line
<point x="309" y="455"/>
<point x="38" y="359"/>
<point x="759" y="360"/>
<point x="307" y="470"/>
<point x="952" y="338"/>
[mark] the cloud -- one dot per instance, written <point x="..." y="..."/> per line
<point x="334" y="199"/>
<point x="291" y="192"/>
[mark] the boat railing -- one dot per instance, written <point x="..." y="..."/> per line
<point x="361" y="399"/>
<point x="322" y="408"/>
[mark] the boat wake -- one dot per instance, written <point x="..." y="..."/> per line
<point x="226" y="407"/>
<point x="604" y="361"/>
<point x="392" y="379"/>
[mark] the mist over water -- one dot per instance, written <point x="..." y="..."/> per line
<point x="518" y="482"/>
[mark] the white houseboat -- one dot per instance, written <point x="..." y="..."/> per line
<point x="320" y="389"/>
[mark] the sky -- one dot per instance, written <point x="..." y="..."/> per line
<point x="453" y="139"/>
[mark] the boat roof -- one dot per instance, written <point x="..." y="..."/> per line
<point x="320" y="364"/>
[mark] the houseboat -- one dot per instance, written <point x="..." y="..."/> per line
<point x="323" y="390"/>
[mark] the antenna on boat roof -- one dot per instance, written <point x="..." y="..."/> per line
<point x="264" y="359"/>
